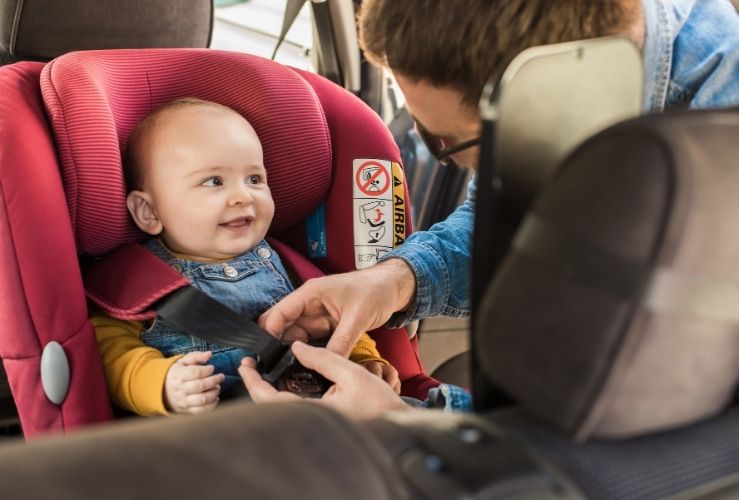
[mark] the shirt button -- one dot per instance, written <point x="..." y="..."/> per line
<point x="230" y="271"/>
<point x="264" y="253"/>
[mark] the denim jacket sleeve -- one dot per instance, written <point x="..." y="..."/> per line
<point x="440" y="259"/>
<point x="691" y="54"/>
<point x="705" y="72"/>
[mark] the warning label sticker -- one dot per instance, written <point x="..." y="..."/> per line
<point x="379" y="210"/>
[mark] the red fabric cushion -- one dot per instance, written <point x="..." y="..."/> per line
<point x="95" y="98"/>
<point x="41" y="295"/>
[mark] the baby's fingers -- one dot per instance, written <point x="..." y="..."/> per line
<point x="195" y="358"/>
<point x="200" y="385"/>
<point x="203" y="402"/>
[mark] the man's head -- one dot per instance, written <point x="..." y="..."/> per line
<point x="196" y="178"/>
<point x="443" y="53"/>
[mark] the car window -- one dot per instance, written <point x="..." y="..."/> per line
<point x="254" y="26"/>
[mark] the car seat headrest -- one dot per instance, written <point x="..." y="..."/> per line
<point x="616" y="311"/>
<point x="44" y="29"/>
<point x="94" y="100"/>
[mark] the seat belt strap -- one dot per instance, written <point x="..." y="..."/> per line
<point x="292" y="9"/>
<point x="196" y="313"/>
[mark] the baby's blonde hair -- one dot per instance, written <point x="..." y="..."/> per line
<point x="134" y="158"/>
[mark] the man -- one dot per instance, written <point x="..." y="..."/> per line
<point x="441" y="56"/>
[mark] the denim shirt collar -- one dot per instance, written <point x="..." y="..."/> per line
<point x="663" y="19"/>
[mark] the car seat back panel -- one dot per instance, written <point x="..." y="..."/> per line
<point x="610" y="315"/>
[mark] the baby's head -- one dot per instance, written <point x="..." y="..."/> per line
<point x="196" y="178"/>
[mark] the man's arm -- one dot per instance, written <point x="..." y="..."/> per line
<point x="440" y="260"/>
<point x="427" y="276"/>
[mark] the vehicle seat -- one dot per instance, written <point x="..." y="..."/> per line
<point x="44" y="29"/>
<point x="613" y="320"/>
<point x="93" y="100"/>
<point x="40" y="30"/>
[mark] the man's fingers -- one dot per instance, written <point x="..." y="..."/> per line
<point x="329" y="364"/>
<point x="259" y="389"/>
<point x="374" y="368"/>
<point x="344" y="338"/>
<point x="277" y="318"/>
<point x="295" y="332"/>
<point x="195" y="358"/>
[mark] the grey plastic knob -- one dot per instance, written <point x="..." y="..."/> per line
<point x="54" y="372"/>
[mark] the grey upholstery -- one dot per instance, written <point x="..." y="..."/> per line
<point x="699" y="457"/>
<point x="303" y="450"/>
<point x="240" y="451"/>
<point x="44" y="29"/>
<point x="615" y="313"/>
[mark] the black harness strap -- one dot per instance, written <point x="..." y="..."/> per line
<point x="196" y="313"/>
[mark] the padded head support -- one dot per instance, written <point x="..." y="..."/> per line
<point x="94" y="100"/>
<point x="44" y="29"/>
<point x="617" y="310"/>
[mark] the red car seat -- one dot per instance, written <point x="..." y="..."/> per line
<point x="62" y="195"/>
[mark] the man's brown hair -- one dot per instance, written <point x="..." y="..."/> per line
<point x="462" y="43"/>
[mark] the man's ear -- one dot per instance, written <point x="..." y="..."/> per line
<point x="142" y="210"/>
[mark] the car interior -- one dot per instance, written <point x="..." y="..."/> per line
<point x="604" y="351"/>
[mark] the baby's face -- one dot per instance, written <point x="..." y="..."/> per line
<point x="208" y="184"/>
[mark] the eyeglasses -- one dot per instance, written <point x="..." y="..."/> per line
<point x="438" y="148"/>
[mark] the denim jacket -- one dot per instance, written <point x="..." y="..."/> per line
<point x="248" y="284"/>
<point x="691" y="59"/>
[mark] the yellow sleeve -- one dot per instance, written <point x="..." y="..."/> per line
<point x="134" y="372"/>
<point x="366" y="350"/>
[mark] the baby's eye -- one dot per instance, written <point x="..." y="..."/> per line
<point x="254" y="179"/>
<point x="212" y="182"/>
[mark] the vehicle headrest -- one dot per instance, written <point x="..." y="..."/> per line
<point x="94" y="100"/>
<point x="44" y="29"/>
<point x="616" y="311"/>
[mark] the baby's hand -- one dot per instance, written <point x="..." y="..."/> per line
<point x="190" y="386"/>
<point x="386" y="372"/>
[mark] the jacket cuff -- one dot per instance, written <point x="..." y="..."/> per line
<point x="432" y="281"/>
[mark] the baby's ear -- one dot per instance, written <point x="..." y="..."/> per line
<point x="142" y="210"/>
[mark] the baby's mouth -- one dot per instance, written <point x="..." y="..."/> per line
<point x="236" y="223"/>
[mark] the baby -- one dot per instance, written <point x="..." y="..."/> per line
<point x="197" y="183"/>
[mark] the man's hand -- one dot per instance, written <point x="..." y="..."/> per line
<point x="386" y="372"/>
<point x="190" y="386"/>
<point x="345" y="304"/>
<point x="356" y="392"/>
